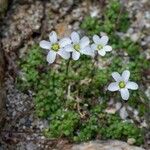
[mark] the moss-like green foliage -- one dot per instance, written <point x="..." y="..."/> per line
<point x="91" y="25"/>
<point x="115" y="129"/>
<point x="63" y="123"/>
<point x="71" y="101"/>
<point x="115" y="18"/>
<point x="141" y="105"/>
<point x="32" y="66"/>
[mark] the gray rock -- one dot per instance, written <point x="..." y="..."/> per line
<point x="105" y="145"/>
<point x="31" y="146"/>
<point x="23" y="22"/>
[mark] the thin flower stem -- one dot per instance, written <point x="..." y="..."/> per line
<point x="53" y="76"/>
<point x="67" y="67"/>
<point x="96" y="60"/>
<point x="95" y="63"/>
<point x="66" y="76"/>
<point x="53" y="80"/>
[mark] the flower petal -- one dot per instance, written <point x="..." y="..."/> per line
<point x="94" y="46"/>
<point x="96" y="39"/>
<point x="65" y="41"/>
<point x="75" y="37"/>
<point x="87" y="51"/>
<point x="64" y="54"/>
<point x="113" y="87"/>
<point x="104" y="40"/>
<point x="51" y="57"/>
<point x="84" y="42"/>
<point x="126" y="75"/>
<point x="132" y="85"/>
<point x="107" y="48"/>
<point x="69" y="48"/>
<point x="101" y="52"/>
<point x="124" y="94"/>
<point x="53" y="37"/>
<point x="45" y="44"/>
<point x="75" y="55"/>
<point x="116" y="76"/>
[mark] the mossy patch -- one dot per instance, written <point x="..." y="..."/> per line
<point x="114" y="18"/>
<point x="72" y="102"/>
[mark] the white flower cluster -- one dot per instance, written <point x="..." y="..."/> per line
<point x="74" y="46"/>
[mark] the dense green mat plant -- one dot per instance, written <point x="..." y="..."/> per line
<point x="74" y="100"/>
<point x="72" y="104"/>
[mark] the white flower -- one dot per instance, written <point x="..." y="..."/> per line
<point x="55" y="47"/>
<point x="100" y="45"/>
<point x="122" y="84"/>
<point x="79" y="46"/>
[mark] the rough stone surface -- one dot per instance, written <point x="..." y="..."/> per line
<point x="2" y="90"/>
<point x="105" y="145"/>
<point x="21" y="22"/>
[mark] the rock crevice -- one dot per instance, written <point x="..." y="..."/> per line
<point x="2" y="89"/>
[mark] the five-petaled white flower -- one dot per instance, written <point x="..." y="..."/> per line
<point x="122" y="84"/>
<point x="55" y="47"/>
<point x="79" y="46"/>
<point x="100" y="45"/>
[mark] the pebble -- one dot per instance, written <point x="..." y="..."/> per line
<point x="131" y="141"/>
<point x="135" y="37"/>
<point x="118" y="106"/>
<point x="147" y="92"/>
<point x="110" y="110"/>
<point x="123" y="113"/>
<point x="31" y="146"/>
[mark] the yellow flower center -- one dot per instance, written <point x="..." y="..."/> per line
<point x="122" y="84"/>
<point x="99" y="47"/>
<point x="55" y="47"/>
<point x="76" y="47"/>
